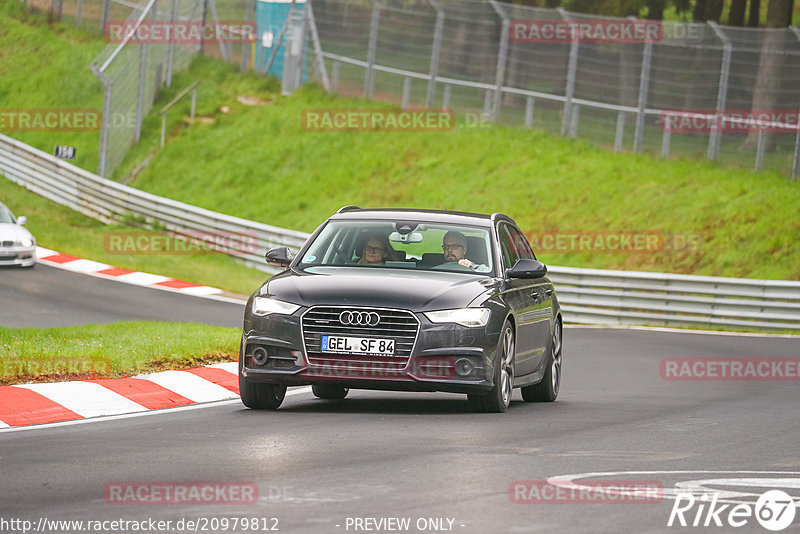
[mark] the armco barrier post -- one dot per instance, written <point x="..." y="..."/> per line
<point x="715" y="137"/>
<point x="369" y="75"/>
<point x="435" y="53"/>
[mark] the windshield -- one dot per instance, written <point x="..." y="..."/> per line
<point x="401" y="245"/>
<point x="5" y="215"/>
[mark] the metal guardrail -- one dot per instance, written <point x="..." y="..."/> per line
<point x="587" y="295"/>
<point x="110" y="202"/>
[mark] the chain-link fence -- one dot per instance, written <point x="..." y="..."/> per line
<point x="695" y="90"/>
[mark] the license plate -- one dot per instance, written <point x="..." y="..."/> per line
<point x="358" y="345"/>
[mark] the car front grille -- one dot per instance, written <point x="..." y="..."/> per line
<point x="7" y="244"/>
<point x="400" y="325"/>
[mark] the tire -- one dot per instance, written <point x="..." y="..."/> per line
<point x="329" y="391"/>
<point x="498" y="399"/>
<point x="261" y="396"/>
<point x="547" y="389"/>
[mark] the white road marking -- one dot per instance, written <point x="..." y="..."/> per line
<point x="144" y="279"/>
<point x="3" y="425"/>
<point x="290" y="392"/>
<point x="200" y="291"/>
<point x="85" y="398"/>
<point x="84" y="266"/>
<point x="189" y="386"/>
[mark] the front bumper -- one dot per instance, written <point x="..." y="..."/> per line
<point x="22" y="256"/>
<point x="445" y="357"/>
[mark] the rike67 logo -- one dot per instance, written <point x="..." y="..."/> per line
<point x="774" y="510"/>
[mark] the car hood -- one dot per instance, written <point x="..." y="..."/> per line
<point x="13" y="232"/>
<point x="385" y="288"/>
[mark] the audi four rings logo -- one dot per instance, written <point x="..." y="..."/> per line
<point x="357" y="318"/>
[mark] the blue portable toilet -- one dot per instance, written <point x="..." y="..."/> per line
<point x="271" y="16"/>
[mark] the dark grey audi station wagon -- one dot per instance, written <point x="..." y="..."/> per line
<point x="405" y="300"/>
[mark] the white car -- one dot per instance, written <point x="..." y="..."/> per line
<point x="17" y="245"/>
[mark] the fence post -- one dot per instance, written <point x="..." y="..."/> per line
<point x="406" y="93"/>
<point x="142" y="79"/>
<point x="502" y="59"/>
<point x="106" y="8"/>
<point x="620" y="134"/>
<point x="529" y="107"/>
<point x="796" y="170"/>
<point x="104" y="130"/>
<point x="78" y="14"/>
<point x="761" y="145"/>
<point x="644" y="87"/>
<point x="448" y="89"/>
<point x="715" y="137"/>
<point x="311" y="21"/>
<point x="574" y="117"/>
<point x="369" y="75"/>
<point x="251" y="7"/>
<point x="335" y="76"/>
<point x="572" y="70"/>
<point x="226" y="52"/>
<point x="435" y="53"/>
<point x="666" y="138"/>
<point x="171" y="50"/>
<point x="487" y="103"/>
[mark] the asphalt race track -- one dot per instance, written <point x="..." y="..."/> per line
<point x="349" y="466"/>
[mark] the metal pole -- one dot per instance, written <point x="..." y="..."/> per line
<point x="406" y="93"/>
<point x="104" y="130"/>
<point x="163" y="128"/>
<point x="487" y="103"/>
<point x="78" y="14"/>
<point x="502" y="59"/>
<point x="251" y="6"/>
<point x="571" y="75"/>
<point x="335" y="77"/>
<point x="171" y="49"/>
<point x="760" y="146"/>
<point x="194" y="101"/>
<point x="796" y="170"/>
<point x="644" y="86"/>
<point x="715" y="137"/>
<point x="106" y="9"/>
<point x="665" y="142"/>
<point x="312" y="25"/>
<point x="448" y="91"/>
<point x="435" y="52"/>
<point x="142" y="79"/>
<point x="620" y="134"/>
<point x="529" y="107"/>
<point x="277" y="44"/>
<point x="369" y="75"/>
<point x="573" y="120"/>
<point x="226" y="53"/>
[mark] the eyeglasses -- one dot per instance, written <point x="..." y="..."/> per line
<point x="452" y="246"/>
<point x="373" y="250"/>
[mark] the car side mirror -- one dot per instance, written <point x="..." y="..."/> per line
<point x="279" y="256"/>
<point x="526" y="268"/>
<point x="21" y="220"/>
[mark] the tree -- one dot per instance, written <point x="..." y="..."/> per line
<point x="738" y="9"/>
<point x="755" y="13"/>
<point x="765" y="94"/>
<point x="706" y="10"/>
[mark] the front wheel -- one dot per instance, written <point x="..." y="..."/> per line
<point x="261" y="396"/>
<point x="547" y="389"/>
<point x="498" y="399"/>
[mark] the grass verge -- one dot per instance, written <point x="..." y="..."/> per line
<point x="111" y="350"/>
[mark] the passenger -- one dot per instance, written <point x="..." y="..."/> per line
<point x="376" y="250"/>
<point x="454" y="245"/>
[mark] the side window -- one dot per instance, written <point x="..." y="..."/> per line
<point x="521" y="244"/>
<point x="508" y="247"/>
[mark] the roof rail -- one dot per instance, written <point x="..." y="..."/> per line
<point x="349" y="208"/>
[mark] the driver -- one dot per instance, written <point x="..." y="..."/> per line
<point x="454" y="245"/>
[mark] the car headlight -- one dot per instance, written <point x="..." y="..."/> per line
<point x="464" y="316"/>
<point x="26" y="242"/>
<point x="266" y="305"/>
